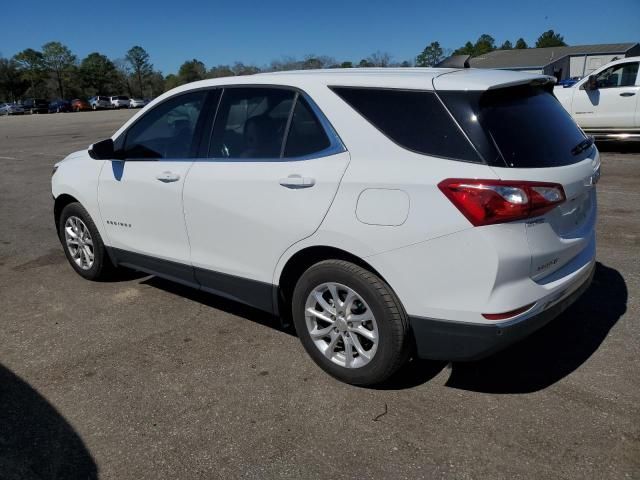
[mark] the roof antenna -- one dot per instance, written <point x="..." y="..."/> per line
<point x="455" y="61"/>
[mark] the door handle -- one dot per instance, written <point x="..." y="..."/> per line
<point x="297" y="181"/>
<point x="627" y="94"/>
<point x="168" y="177"/>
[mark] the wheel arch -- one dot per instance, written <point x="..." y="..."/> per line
<point x="300" y="261"/>
<point x="62" y="201"/>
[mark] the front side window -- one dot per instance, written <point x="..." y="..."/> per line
<point x="623" y="75"/>
<point x="168" y="130"/>
<point x="415" y="120"/>
<point x="251" y="123"/>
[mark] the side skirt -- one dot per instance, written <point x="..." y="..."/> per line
<point x="256" y="294"/>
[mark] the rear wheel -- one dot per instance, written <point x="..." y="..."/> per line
<point x="83" y="244"/>
<point x="350" y="322"/>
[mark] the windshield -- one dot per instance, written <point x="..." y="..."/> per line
<point x="519" y="127"/>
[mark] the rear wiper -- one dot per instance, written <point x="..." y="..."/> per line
<point x="583" y="145"/>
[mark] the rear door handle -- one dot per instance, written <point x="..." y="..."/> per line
<point x="168" y="177"/>
<point x="627" y="94"/>
<point x="297" y="181"/>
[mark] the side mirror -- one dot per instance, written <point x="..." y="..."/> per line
<point x="592" y="83"/>
<point x="103" y="150"/>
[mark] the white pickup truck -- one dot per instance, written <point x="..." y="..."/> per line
<point x="606" y="103"/>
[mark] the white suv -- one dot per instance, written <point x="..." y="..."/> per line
<point x="120" y="101"/>
<point x="606" y="104"/>
<point x="443" y="213"/>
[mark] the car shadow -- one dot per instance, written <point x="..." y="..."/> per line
<point x="556" y="350"/>
<point x="220" y="303"/>
<point x="532" y="364"/>
<point x="36" y="442"/>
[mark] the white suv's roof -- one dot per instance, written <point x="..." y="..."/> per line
<point x="408" y="78"/>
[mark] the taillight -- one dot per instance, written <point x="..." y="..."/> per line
<point x="486" y="202"/>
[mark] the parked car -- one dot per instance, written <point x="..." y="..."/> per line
<point x="100" y="102"/>
<point x="567" y="82"/>
<point x="605" y="104"/>
<point x="58" y="106"/>
<point x="11" y="109"/>
<point x="35" y="105"/>
<point x="79" y="105"/>
<point x="137" y="103"/>
<point x="120" y="101"/>
<point x="442" y="213"/>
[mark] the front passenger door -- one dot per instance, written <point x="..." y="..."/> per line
<point x="613" y="104"/>
<point x="140" y="197"/>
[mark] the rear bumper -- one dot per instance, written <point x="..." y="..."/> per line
<point x="463" y="341"/>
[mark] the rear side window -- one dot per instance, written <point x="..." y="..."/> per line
<point x="415" y="120"/>
<point x="251" y="122"/>
<point x="519" y="127"/>
<point x="306" y="134"/>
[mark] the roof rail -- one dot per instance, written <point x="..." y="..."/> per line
<point x="455" y="61"/>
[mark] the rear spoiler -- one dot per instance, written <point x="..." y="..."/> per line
<point x="455" y="61"/>
<point x="546" y="82"/>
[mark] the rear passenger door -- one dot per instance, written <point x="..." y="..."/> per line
<point x="274" y="165"/>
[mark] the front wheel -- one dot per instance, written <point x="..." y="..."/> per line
<point x="83" y="244"/>
<point x="350" y="322"/>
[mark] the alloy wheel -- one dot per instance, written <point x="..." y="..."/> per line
<point x="79" y="242"/>
<point x="341" y="325"/>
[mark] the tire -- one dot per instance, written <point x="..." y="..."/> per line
<point x="101" y="267"/>
<point x="375" y="297"/>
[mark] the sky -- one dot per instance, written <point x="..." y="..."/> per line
<point x="256" y="32"/>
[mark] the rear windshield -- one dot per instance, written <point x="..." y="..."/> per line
<point x="519" y="127"/>
<point x="415" y="120"/>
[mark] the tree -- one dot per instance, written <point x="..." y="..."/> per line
<point x="191" y="71"/>
<point x="240" y="68"/>
<point x="550" y="39"/>
<point x="123" y="76"/>
<point x="12" y="85"/>
<point x="156" y="84"/>
<point x="468" y="49"/>
<point x="31" y="66"/>
<point x="346" y="65"/>
<point x="219" y="71"/>
<point x="141" y="67"/>
<point x="59" y="60"/>
<point x="171" y="81"/>
<point x="485" y="44"/>
<point x="98" y="73"/>
<point x="365" y="63"/>
<point x="430" y="56"/>
<point x="521" y="44"/>
<point x="379" y="59"/>
<point x="506" y="45"/>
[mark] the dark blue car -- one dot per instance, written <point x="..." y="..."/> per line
<point x="59" y="106"/>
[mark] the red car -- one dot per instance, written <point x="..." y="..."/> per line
<point x="78" y="105"/>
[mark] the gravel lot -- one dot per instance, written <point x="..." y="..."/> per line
<point x="142" y="379"/>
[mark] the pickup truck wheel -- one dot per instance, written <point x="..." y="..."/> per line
<point x="83" y="244"/>
<point x="350" y="322"/>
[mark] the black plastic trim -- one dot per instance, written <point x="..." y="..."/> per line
<point x="254" y="293"/>
<point x="461" y="341"/>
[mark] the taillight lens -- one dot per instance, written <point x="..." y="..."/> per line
<point x="486" y="202"/>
